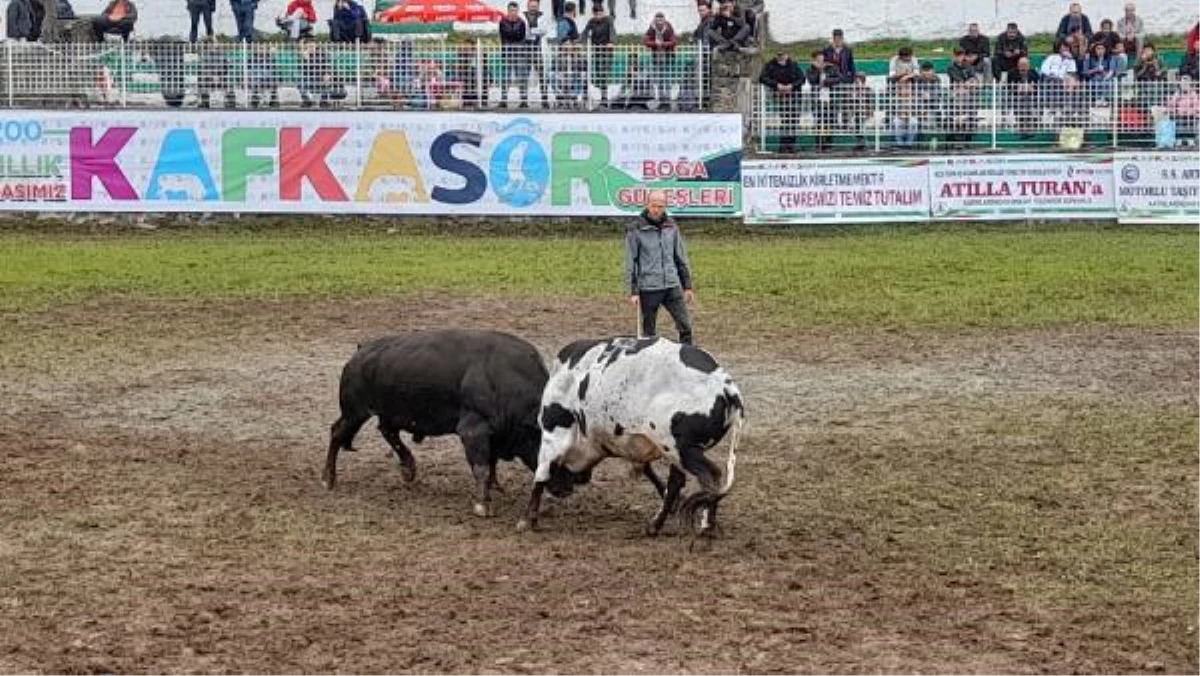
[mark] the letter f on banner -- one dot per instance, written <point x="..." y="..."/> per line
<point x="99" y="160"/>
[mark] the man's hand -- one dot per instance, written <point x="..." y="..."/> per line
<point x="634" y="299"/>
<point x="689" y="296"/>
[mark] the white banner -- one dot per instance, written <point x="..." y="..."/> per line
<point x="835" y="191"/>
<point x="1001" y="187"/>
<point x="1158" y="187"/>
<point x="360" y="162"/>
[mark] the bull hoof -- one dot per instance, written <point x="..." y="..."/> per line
<point x="482" y="510"/>
<point x="409" y="475"/>
<point x="328" y="482"/>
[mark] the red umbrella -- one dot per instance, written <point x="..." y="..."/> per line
<point x="440" y="11"/>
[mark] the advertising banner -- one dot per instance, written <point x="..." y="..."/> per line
<point x="1001" y="187"/>
<point x="385" y="162"/>
<point x="835" y="191"/>
<point x="1158" y="187"/>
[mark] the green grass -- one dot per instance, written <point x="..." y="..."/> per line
<point x="935" y="277"/>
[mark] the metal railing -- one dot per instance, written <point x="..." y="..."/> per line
<point x="935" y="116"/>
<point x="411" y="74"/>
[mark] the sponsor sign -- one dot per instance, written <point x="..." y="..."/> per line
<point x="835" y="191"/>
<point x="403" y="163"/>
<point x="1158" y="187"/>
<point x="1002" y="187"/>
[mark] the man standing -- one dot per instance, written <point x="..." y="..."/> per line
<point x="197" y="10"/>
<point x="657" y="269"/>
<point x="600" y="32"/>
<point x="513" y="31"/>
<point x="243" y="13"/>
<point x="783" y="77"/>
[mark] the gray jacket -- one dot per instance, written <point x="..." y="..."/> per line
<point x="655" y="256"/>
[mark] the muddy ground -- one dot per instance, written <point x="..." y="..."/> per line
<point x="907" y="502"/>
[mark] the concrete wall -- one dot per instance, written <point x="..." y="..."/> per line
<point x="791" y="20"/>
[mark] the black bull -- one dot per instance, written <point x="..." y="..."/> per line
<point x="484" y="386"/>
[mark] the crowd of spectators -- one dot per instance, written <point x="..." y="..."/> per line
<point x="1083" y="69"/>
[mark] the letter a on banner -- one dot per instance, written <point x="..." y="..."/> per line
<point x="391" y="165"/>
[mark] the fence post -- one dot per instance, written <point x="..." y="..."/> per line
<point x="700" y="76"/>
<point x="8" y="59"/>
<point x="246" y="72"/>
<point x="761" y="118"/>
<point x="481" y="94"/>
<point x="588" y="84"/>
<point x="124" y="74"/>
<point x="995" y="113"/>
<point x="878" y="127"/>
<point x="358" y="74"/>
<point x="1116" y="113"/>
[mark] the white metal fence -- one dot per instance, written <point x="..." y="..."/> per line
<point x="418" y="74"/>
<point x="935" y="116"/>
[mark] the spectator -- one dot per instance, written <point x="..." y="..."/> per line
<point x="1100" y="72"/>
<point x="1023" y="85"/>
<point x="783" y="77"/>
<point x="1060" y="82"/>
<point x="566" y="30"/>
<point x="1078" y="44"/>
<point x="118" y="18"/>
<point x="906" y="122"/>
<point x="1074" y="20"/>
<point x="931" y="98"/>
<point x="243" y="15"/>
<point x="298" y="18"/>
<point x="1106" y="36"/>
<point x="856" y="103"/>
<point x="1010" y="49"/>
<point x="1149" y="67"/>
<point x="660" y="40"/>
<point x="570" y="76"/>
<point x="316" y="76"/>
<point x="1184" y="109"/>
<point x="903" y="66"/>
<point x="965" y="83"/>
<point x="349" y="23"/>
<point x="825" y="85"/>
<point x="840" y="56"/>
<point x="197" y="10"/>
<point x="977" y="47"/>
<point x="1120" y="59"/>
<point x="20" y="21"/>
<point x="1189" y="66"/>
<point x="1059" y="65"/>
<point x="1131" y="29"/>
<point x="537" y="26"/>
<point x="704" y="27"/>
<point x="513" y="31"/>
<point x="600" y="32"/>
<point x="729" y="31"/>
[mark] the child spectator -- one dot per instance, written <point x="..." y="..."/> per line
<point x="903" y="66"/>
<point x="1100" y="72"/>
<point x="906" y="122"/>
<point x="824" y="83"/>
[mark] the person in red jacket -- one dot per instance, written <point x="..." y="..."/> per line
<point x="660" y="40"/>
<point x="299" y="17"/>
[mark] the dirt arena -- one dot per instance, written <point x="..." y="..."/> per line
<point x="907" y="502"/>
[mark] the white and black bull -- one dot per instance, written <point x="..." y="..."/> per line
<point x="484" y="386"/>
<point x="641" y="400"/>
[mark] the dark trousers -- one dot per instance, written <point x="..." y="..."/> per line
<point x="672" y="299"/>
<point x="245" y="24"/>
<point x="197" y="14"/>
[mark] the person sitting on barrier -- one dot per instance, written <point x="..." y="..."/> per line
<point x="297" y="19"/>
<point x="783" y="77"/>
<point x="729" y="32"/>
<point x="966" y="80"/>
<point x="117" y="18"/>
<point x="1023" y="84"/>
<point x="977" y="47"/>
<point x="1184" y="109"/>
<point x="1010" y="49"/>
<point x="1100" y="73"/>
